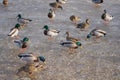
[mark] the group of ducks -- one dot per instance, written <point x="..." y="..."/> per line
<point x="71" y="42"/>
<point x="29" y="58"/>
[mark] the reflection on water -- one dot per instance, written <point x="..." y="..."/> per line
<point x="29" y="70"/>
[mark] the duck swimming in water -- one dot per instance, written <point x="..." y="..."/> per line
<point x="68" y="38"/>
<point x="23" y="44"/>
<point x="50" y="32"/>
<point x="30" y="58"/>
<point x="56" y="5"/>
<point x="14" y="31"/>
<point x="97" y="33"/>
<point x="23" y="21"/>
<point x="74" y="19"/>
<point x="51" y="14"/>
<point x="84" y="25"/>
<point x="71" y="45"/>
<point x="106" y="17"/>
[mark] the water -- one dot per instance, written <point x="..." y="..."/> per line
<point x="95" y="61"/>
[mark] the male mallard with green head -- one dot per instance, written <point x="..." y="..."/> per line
<point x="74" y="19"/>
<point x="106" y="17"/>
<point x="68" y="38"/>
<point x="84" y="25"/>
<point x="23" y="21"/>
<point x="30" y="58"/>
<point x="23" y="44"/>
<point x="50" y="32"/>
<point x="97" y="33"/>
<point x="14" y="31"/>
<point x="51" y="14"/>
<point x="71" y="45"/>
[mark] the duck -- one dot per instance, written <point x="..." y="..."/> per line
<point x="84" y="25"/>
<point x="51" y="14"/>
<point x="23" y="44"/>
<point x="50" y="32"/>
<point x="14" y="31"/>
<point x="23" y="21"/>
<point x="97" y="2"/>
<point x="97" y="33"/>
<point x="5" y="2"/>
<point x="74" y="19"/>
<point x="106" y="17"/>
<point x="61" y="1"/>
<point x="30" y="58"/>
<point x="71" y="45"/>
<point x="56" y="5"/>
<point x="68" y="38"/>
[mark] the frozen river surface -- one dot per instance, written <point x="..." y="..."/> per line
<point x="95" y="61"/>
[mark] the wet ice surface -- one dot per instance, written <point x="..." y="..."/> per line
<point x="96" y="61"/>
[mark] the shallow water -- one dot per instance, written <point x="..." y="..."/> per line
<point x="95" y="61"/>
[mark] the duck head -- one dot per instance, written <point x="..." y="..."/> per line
<point x="19" y="16"/>
<point x="46" y="27"/>
<point x="79" y="43"/>
<point x="89" y="36"/>
<point x="42" y="58"/>
<point x="17" y="26"/>
<point x="25" y="39"/>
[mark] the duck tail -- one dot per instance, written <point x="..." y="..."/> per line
<point x="61" y="43"/>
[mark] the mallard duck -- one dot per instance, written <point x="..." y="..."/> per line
<point x="61" y="1"/>
<point x="56" y="5"/>
<point x="71" y="45"/>
<point x="68" y="38"/>
<point x="23" y="44"/>
<point x="83" y="25"/>
<point x="97" y="33"/>
<point x="106" y="17"/>
<point x="5" y="2"/>
<point x="29" y="57"/>
<point x="14" y="31"/>
<point x="23" y="21"/>
<point x="97" y="2"/>
<point x="51" y="14"/>
<point x="50" y="32"/>
<point x="74" y="18"/>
